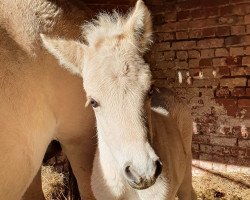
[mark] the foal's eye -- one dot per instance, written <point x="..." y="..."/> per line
<point x="93" y="103"/>
<point x="151" y="91"/>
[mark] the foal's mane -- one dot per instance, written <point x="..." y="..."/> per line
<point x="104" y="26"/>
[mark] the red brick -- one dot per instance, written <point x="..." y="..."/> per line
<point x="208" y="73"/>
<point x="210" y="43"/>
<point x="233" y="82"/>
<point x="208" y="32"/>
<point x="246" y="61"/>
<point x="202" y="23"/>
<point x="201" y="83"/>
<point x="205" y="62"/>
<point x="184" y="45"/>
<point x="247" y="19"/>
<point x="223" y="71"/>
<point x="248" y="92"/>
<point x="161" y="46"/>
<point x="241" y="9"/>
<point x="238" y="30"/>
<point x="219" y="61"/>
<point x="198" y="14"/>
<point x="194" y="54"/>
<point x="231" y="110"/>
<point x="181" y="35"/>
<point x="162" y="37"/>
<point x="183" y="15"/>
<point x="244" y="113"/>
<point x="247" y="70"/>
<point x="228" y="20"/>
<point x="244" y="143"/>
<point x="182" y="55"/>
<point x="182" y="26"/>
<point x="169" y="55"/>
<point x="218" y="158"/>
<point x="212" y="12"/>
<point x="223" y="31"/>
<point x="245" y="40"/>
<point x="233" y="40"/>
<point x="194" y="63"/>
<point x="239" y="1"/>
<point x="206" y="156"/>
<point x="204" y="139"/>
<point x="236" y="51"/>
<point x="218" y="150"/>
<point x="237" y="71"/>
<point x="165" y="64"/>
<point x="207" y="53"/>
<point x="247" y="51"/>
<point x="197" y="33"/>
<point x="168" y="27"/>
<point x="244" y="103"/>
<point x="159" y="56"/>
<point x="205" y="148"/>
<point x="221" y="52"/>
<point x="185" y="5"/>
<point x="181" y="64"/>
<point x="234" y="60"/>
<point x="248" y="82"/>
<point x="170" y="16"/>
<point x="248" y="29"/>
<point x="222" y="92"/>
<point x="226" y="102"/>
<point x="158" y="19"/>
<point x="215" y="3"/>
<point x="195" y="147"/>
<point x="194" y="72"/>
<point x="223" y="140"/>
<point x="226" y="10"/>
<point x="238" y="92"/>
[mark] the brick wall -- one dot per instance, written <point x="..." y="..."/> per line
<point x="202" y="51"/>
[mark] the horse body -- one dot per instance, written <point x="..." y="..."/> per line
<point x="172" y="135"/>
<point x="39" y="101"/>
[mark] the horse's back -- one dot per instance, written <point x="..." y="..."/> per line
<point x="172" y="124"/>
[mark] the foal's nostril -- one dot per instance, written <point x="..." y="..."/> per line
<point x="132" y="175"/>
<point x="158" y="169"/>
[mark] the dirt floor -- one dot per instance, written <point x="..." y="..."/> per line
<point x="211" y="186"/>
<point x="228" y="186"/>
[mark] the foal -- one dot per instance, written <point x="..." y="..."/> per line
<point x="117" y="82"/>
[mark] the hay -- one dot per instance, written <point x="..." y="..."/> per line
<point x="53" y="184"/>
<point x="229" y="186"/>
<point x="211" y="186"/>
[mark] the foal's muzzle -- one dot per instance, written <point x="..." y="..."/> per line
<point x="139" y="182"/>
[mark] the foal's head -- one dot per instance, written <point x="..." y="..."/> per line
<point x="117" y="82"/>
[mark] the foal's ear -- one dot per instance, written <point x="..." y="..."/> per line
<point x="69" y="53"/>
<point x="139" y="25"/>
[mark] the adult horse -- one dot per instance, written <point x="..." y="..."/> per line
<point x="39" y="101"/>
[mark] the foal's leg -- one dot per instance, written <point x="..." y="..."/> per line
<point x="34" y="191"/>
<point x="186" y="191"/>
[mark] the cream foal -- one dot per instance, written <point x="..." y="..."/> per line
<point x="117" y="82"/>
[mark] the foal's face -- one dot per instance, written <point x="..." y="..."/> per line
<point x="117" y="82"/>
